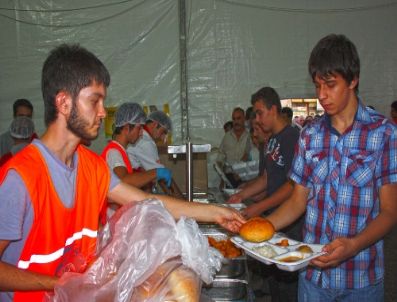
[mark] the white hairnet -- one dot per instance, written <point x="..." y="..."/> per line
<point x="161" y="118"/>
<point x="129" y="113"/>
<point x="22" y="127"/>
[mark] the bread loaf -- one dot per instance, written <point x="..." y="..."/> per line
<point x="184" y="285"/>
<point x="257" y="229"/>
<point x="169" y="283"/>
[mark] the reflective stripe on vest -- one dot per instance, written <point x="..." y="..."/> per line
<point x="56" y="255"/>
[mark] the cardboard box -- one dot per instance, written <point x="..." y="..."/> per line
<point x="178" y="167"/>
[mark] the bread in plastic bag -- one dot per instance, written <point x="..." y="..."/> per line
<point x="140" y="238"/>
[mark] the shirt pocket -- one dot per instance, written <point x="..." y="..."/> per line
<point x="317" y="165"/>
<point x="360" y="167"/>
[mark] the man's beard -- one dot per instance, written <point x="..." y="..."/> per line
<point x="78" y="126"/>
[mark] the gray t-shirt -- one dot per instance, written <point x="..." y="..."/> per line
<point x="16" y="212"/>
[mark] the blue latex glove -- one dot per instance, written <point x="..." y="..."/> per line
<point x="165" y="174"/>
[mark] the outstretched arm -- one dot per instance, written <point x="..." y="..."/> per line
<point x="226" y="217"/>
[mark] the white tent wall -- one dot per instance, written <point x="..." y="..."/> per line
<point x="233" y="49"/>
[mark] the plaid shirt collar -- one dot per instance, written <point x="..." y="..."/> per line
<point x="362" y="117"/>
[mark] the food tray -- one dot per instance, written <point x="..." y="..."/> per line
<point x="282" y="253"/>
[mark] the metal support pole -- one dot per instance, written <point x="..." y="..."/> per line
<point x="183" y="71"/>
<point x="189" y="170"/>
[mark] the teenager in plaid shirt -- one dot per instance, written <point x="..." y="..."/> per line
<point x="345" y="170"/>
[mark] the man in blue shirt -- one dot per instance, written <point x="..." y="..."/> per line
<point x="345" y="174"/>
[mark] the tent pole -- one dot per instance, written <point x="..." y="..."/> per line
<point x="183" y="72"/>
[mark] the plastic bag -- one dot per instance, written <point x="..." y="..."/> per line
<point x="171" y="281"/>
<point x="139" y="239"/>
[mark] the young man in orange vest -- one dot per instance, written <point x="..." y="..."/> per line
<point x="51" y="192"/>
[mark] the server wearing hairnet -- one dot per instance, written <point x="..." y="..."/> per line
<point x="129" y="119"/>
<point x="144" y="152"/>
<point x="21" y="131"/>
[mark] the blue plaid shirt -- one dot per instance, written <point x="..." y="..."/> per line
<point x="344" y="173"/>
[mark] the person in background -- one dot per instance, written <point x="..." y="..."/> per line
<point x="52" y="192"/>
<point x="308" y="120"/>
<point x="21" y="107"/>
<point x="260" y="139"/>
<point x="249" y="118"/>
<point x="21" y="131"/>
<point x="287" y="114"/>
<point x="228" y="126"/>
<point x="345" y="174"/>
<point x="144" y="154"/>
<point x="129" y="119"/>
<point x="393" y="111"/>
<point x="278" y="159"/>
<point x="235" y="144"/>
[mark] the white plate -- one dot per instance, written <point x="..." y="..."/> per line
<point x="282" y="253"/>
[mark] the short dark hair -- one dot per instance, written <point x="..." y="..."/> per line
<point x="288" y="111"/>
<point x="238" y="109"/>
<point x="69" y="68"/>
<point x="394" y="105"/>
<point x="21" y="103"/>
<point x="268" y="96"/>
<point x="335" y="54"/>
<point x="249" y="113"/>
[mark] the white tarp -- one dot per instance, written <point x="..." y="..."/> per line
<point x="234" y="47"/>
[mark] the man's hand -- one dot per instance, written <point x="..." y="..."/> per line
<point x="228" y="218"/>
<point x="251" y="211"/>
<point x="165" y="174"/>
<point x="337" y="251"/>
<point x="235" y="198"/>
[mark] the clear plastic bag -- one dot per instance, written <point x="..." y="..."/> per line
<point x="139" y="239"/>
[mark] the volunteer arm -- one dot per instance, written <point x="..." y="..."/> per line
<point x="15" y="279"/>
<point x="343" y="248"/>
<point x="226" y="217"/>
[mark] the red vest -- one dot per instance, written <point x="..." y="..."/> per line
<point x="118" y="147"/>
<point x="61" y="239"/>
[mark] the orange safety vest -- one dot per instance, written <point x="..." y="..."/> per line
<point x="118" y="147"/>
<point x="61" y="239"/>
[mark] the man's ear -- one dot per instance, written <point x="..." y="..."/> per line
<point x="353" y="84"/>
<point x="63" y="102"/>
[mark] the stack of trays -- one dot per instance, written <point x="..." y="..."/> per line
<point x="285" y="253"/>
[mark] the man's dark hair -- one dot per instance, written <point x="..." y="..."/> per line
<point x="287" y="111"/>
<point x="249" y="113"/>
<point x="335" y="54"/>
<point x="21" y="103"/>
<point x="69" y="68"/>
<point x="269" y="98"/>
<point x="394" y="105"/>
<point x="239" y="109"/>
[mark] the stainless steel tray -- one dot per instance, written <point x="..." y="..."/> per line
<point x="231" y="267"/>
<point x="226" y="290"/>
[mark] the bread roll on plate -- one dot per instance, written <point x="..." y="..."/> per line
<point x="257" y="229"/>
